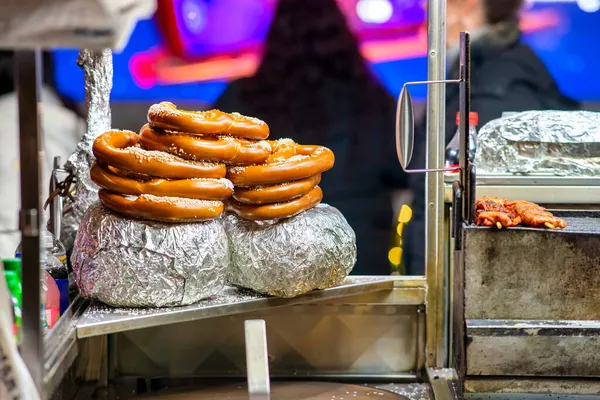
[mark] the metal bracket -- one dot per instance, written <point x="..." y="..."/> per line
<point x="29" y="223"/>
<point x="257" y="360"/>
<point x="443" y="383"/>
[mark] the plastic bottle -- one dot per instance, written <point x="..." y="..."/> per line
<point x="56" y="265"/>
<point x="453" y="148"/>
<point x="51" y="300"/>
<point x="53" y="245"/>
<point x="57" y="269"/>
<point x="13" y="282"/>
<point x="49" y="290"/>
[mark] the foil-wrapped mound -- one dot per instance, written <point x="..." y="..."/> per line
<point x="563" y="143"/>
<point x="125" y="262"/>
<point x="313" y="250"/>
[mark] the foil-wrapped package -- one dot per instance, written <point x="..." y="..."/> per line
<point x="313" y="250"/>
<point x="98" y="79"/>
<point x="563" y="143"/>
<point x="133" y="263"/>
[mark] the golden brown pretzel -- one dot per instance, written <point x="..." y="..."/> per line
<point x="164" y="209"/>
<point x="203" y="189"/>
<point x="308" y="161"/>
<point x="167" y="116"/>
<point x="277" y="210"/>
<point x="205" y="147"/>
<point x="276" y="193"/>
<point x="120" y="149"/>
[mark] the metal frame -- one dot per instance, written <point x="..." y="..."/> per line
<point x="29" y="78"/>
<point x="434" y="199"/>
<point x="436" y="319"/>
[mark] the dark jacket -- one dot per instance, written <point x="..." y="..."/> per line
<point x="366" y="168"/>
<point x="506" y="75"/>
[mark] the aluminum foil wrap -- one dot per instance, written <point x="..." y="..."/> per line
<point x="563" y="143"/>
<point x="313" y="250"/>
<point x="98" y="79"/>
<point x="132" y="263"/>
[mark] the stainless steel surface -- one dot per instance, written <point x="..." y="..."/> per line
<point x="534" y="348"/>
<point x="257" y="360"/>
<point x="413" y="391"/>
<point x="443" y="383"/>
<point x="527" y="274"/>
<point x="551" y="387"/>
<point x="124" y="388"/>
<point x="102" y="320"/>
<point x="358" y="341"/>
<point x="281" y="391"/>
<point x="434" y="198"/>
<point x="525" y="396"/>
<point x="489" y="327"/>
<point x="28" y="84"/>
<point x="61" y="347"/>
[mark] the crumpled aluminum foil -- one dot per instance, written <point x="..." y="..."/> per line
<point x="563" y="143"/>
<point x="313" y="250"/>
<point x="125" y="262"/>
<point x="98" y="80"/>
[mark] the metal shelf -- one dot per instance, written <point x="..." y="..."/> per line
<point x="544" y="189"/>
<point x="100" y="319"/>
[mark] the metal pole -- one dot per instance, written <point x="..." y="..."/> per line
<point x="434" y="196"/>
<point x="465" y="108"/>
<point x="28" y="84"/>
<point x="56" y="205"/>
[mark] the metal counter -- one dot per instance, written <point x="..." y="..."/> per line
<point x="100" y="319"/>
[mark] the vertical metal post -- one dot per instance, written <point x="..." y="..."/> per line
<point x="28" y="84"/>
<point x="434" y="196"/>
<point x="465" y="108"/>
<point x="56" y="205"/>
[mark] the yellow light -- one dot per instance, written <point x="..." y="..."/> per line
<point x="405" y="214"/>
<point x="399" y="229"/>
<point x="395" y="255"/>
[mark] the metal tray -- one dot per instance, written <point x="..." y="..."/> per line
<point x="578" y="222"/>
<point x="100" y="319"/>
<point x="530" y="180"/>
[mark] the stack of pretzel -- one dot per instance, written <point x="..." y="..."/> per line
<point x="284" y="185"/>
<point x="183" y="165"/>
<point x="174" y="170"/>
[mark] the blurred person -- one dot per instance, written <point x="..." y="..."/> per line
<point x="61" y="127"/>
<point x="314" y="86"/>
<point x="506" y="75"/>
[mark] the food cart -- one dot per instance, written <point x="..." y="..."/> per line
<point x="424" y="337"/>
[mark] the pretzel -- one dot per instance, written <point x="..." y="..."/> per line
<point x="281" y="167"/>
<point x="203" y="189"/>
<point x="278" y="210"/>
<point x="120" y="150"/>
<point x="167" y="116"/>
<point x="163" y="209"/>
<point x="205" y="147"/>
<point x="276" y="193"/>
